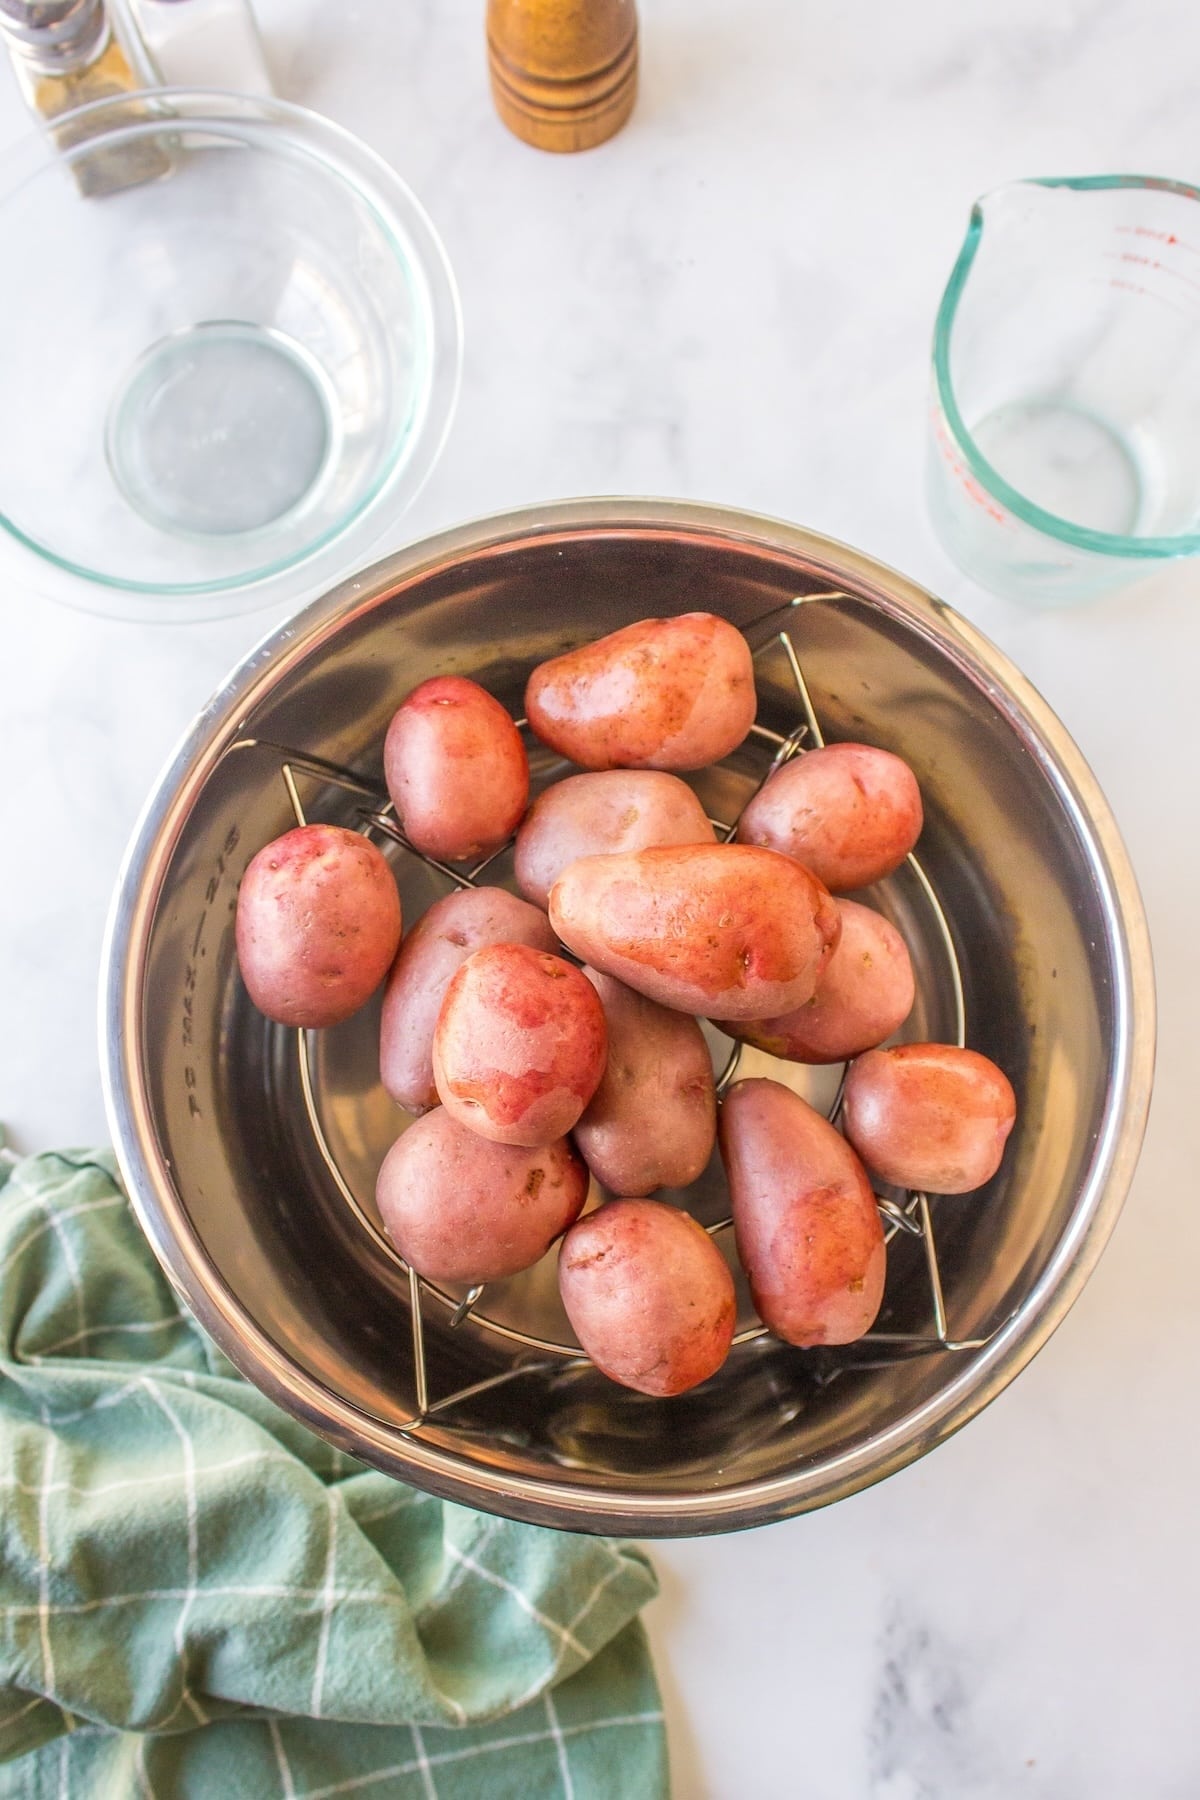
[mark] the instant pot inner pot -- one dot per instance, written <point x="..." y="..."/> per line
<point x="274" y="1142"/>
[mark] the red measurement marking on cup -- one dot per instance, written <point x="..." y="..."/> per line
<point x="1185" y="310"/>
<point x="974" y="492"/>
<point x="978" y="495"/>
<point x="1170" y="238"/>
<point x="1133" y="287"/>
<point x="1151" y="262"/>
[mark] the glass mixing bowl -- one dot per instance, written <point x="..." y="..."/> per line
<point x="229" y="355"/>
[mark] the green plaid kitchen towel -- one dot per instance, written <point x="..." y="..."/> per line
<point x="202" y="1599"/>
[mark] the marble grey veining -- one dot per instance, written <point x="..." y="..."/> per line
<point x="920" y="1739"/>
<point x="733" y="301"/>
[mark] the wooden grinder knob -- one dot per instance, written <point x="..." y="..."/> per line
<point x="564" y="72"/>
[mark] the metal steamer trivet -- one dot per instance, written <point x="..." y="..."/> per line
<point x="912" y="1215"/>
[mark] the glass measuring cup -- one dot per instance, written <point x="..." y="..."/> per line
<point x="1064" y="455"/>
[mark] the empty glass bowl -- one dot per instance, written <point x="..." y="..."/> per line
<point x="224" y="367"/>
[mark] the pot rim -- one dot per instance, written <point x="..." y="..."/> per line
<point x="564" y="1503"/>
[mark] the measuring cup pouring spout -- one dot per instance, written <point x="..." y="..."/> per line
<point x="1065" y="405"/>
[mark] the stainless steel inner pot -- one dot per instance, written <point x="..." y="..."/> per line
<point x="250" y="1151"/>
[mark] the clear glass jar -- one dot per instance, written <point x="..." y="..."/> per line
<point x="204" y="44"/>
<point x="66" y="54"/>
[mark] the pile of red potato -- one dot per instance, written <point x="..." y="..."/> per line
<point x="527" y="1072"/>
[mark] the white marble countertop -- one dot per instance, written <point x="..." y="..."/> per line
<point x="732" y="301"/>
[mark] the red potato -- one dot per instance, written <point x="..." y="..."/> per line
<point x="318" y="922"/>
<point x="866" y="993"/>
<point x="456" y="770"/>
<point x="717" y="929"/>
<point x="459" y="1208"/>
<point x="519" y="1045"/>
<point x="929" y="1116"/>
<point x="438" y="944"/>
<point x="652" y="1122"/>
<point x="662" y="694"/>
<point x="648" y="1294"/>
<point x="588" y="815"/>
<point x="807" y="1228"/>
<point x="850" y="813"/>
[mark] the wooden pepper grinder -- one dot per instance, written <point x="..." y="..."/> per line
<point x="564" y="72"/>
